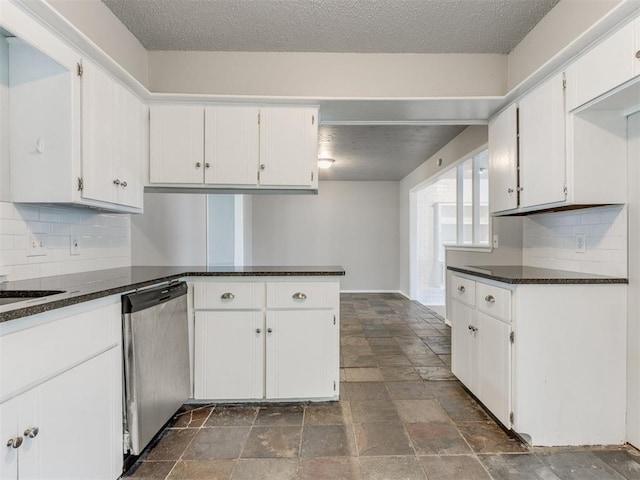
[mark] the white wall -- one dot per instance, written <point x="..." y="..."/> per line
<point x="172" y="230"/>
<point x="328" y="74"/>
<point x="549" y="240"/>
<point x="563" y="24"/>
<point x="97" y="22"/>
<point x="470" y="141"/>
<point x="353" y="224"/>
<point x="103" y="238"/>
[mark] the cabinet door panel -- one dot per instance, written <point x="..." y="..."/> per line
<point x="503" y="161"/>
<point x="10" y="428"/>
<point x="462" y="343"/>
<point x="229" y="355"/>
<point x="232" y="139"/>
<point x="495" y="371"/>
<point x="100" y="140"/>
<point x="302" y="350"/>
<point x="130" y="156"/>
<point x="288" y="146"/>
<point x="176" y="144"/>
<point x="542" y="145"/>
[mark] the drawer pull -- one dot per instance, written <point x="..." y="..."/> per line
<point x="269" y="330"/>
<point x="299" y="296"/>
<point x="473" y="329"/>
<point x="14" y="442"/>
<point x="227" y="296"/>
<point x="31" y="432"/>
<point x="258" y="330"/>
<point x="461" y="289"/>
<point x="490" y="299"/>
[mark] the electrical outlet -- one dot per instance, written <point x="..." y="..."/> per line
<point x="495" y="241"/>
<point x="74" y="245"/>
<point x="37" y="245"/>
<point x="581" y="244"/>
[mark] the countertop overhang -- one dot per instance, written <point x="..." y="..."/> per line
<point x="86" y="286"/>
<point x="519" y="274"/>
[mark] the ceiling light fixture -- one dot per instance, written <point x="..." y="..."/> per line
<point x="325" y="162"/>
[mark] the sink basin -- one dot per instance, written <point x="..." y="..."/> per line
<point x="12" y="296"/>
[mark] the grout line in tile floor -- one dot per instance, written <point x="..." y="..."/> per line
<point x="396" y="420"/>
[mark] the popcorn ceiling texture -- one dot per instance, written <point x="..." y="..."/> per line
<point x="360" y="26"/>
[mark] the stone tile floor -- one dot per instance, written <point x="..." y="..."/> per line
<point x="402" y="415"/>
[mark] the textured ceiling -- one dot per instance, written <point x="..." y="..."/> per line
<point x="366" y="26"/>
<point x="380" y="152"/>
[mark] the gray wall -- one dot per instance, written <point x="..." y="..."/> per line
<point x="353" y="224"/>
<point x="172" y="230"/>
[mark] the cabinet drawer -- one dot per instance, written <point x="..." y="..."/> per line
<point x="463" y="289"/>
<point x="302" y="295"/>
<point x="494" y="301"/>
<point x="228" y="295"/>
<point x="31" y="356"/>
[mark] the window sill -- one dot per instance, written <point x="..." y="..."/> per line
<point x="469" y="248"/>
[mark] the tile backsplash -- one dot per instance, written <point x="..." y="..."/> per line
<point x="549" y="240"/>
<point x="104" y="240"/>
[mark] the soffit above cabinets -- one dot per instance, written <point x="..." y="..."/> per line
<point x="380" y="152"/>
<point x="371" y="26"/>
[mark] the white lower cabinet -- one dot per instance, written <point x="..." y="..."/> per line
<point x="68" y="424"/>
<point x="266" y="340"/>
<point x="547" y="360"/>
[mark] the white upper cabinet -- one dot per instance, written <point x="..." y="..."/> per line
<point x="176" y="144"/>
<point x="233" y="147"/>
<point x="542" y="144"/>
<point x="503" y="160"/>
<point x="288" y="146"/>
<point x="609" y="64"/>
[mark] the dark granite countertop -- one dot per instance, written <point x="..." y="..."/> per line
<point x="82" y="287"/>
<point x="519" y="274"/>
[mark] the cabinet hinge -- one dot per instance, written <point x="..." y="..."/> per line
<point x="511" y="417"/>
<point x="80" y="69"/>
<point x="512" y="337"/>
<point x="80" y="184"/>
<point x="312" y="176"/>
<point x="334" y="319"/>
<point x="258" y="176"/>
<point x="564" y="83"/>
<point x="566" y="191"/>
<point x="258" y="119"/>
<point x="313" y="119"/>
<point x="334" y="385"/>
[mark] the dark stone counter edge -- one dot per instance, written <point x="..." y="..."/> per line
<point x="542" y="281"/>
<point x="66" y="302"/>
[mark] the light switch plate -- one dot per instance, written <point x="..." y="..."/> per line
<point x="74" y="245"/>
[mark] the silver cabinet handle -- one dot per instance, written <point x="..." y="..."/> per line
<point x="269" y="330"/>
<point x="14" y="442"/>
<point x="490" y="299"/>
<point x="262" y="166"/>
<point x="299" y="296"/>
<point x="258" y="330"/>
<point x="470" y="327"/>
<point x="473" y="329"/>
<point x="124" y="184"/>
<point x="31" y="432"/>
<point x="509" y="190"/>
<point x="638" y="54"/>
<point x="461" y="289"/>
<point x="198" y="164"/>
<point x="227" y="296"/>
<point x="207" y="165"/>
<point x="116" y="182"/>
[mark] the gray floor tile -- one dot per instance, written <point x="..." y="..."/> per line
<point x="517" y="467"/>
<point x="625" y="462"/>
<point x="213" y="443"/>
<point x="273" y="442"/>
<point x="465" y="467"/>
<point x="328" y="441"/>
<point x="391" y="468"/>
<point x="578" y="465"/>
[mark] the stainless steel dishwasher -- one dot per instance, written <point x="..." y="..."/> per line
<point x="156" y="360"/>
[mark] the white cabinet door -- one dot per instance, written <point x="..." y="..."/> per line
<point x="100" y="139"/>
<point x="464" y="348"/>
<point x="176" y="144"/>
<point x="288" y="146"/>
<point x="503" y="160"/>
<point x="542" y="145"/>
<point x="495" y="370"/>
<point x="609" y="64"/>
<point x="232" y="138"/>
<point x="79" y="419"/>
<point x="229" y="355"/>
<point x="130" y="148"/>
<point x="302" y="354"/>
<point x="10" y="431"/>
